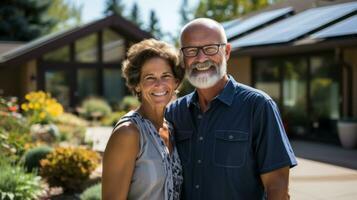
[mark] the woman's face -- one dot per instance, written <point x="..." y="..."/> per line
<point x="157" y="82"/>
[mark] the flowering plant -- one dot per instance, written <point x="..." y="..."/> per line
<point x="41" y="107"/>
<point x="8" y="105"/>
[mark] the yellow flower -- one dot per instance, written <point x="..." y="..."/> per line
<point x="24" y="107"/>
<point x="42" y="115"/>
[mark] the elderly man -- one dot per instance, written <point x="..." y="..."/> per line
<point x="229" y="136"/>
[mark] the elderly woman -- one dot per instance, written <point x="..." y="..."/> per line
<point x="140" y="160"/>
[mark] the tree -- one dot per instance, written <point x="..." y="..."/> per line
<point x="113" y="7"/>
<point x="67" y="14"/>
<point x="154" y="27"/>
<point x="224" y="10"/>
<point x="184" y="12"/>
<point x="24" y="20"/>
<point x="134" y="15"/>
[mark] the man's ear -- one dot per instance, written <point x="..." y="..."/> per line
<point x="228" y="50"/>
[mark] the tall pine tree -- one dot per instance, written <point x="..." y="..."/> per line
<point x="154" y="27"/>
<point x="113" y="7"/>
<point x="134" y="15"/>
<point x="24" y="20"/>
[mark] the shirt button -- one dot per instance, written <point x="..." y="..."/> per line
<point x="230" y="137"/>
<point x="200" y="138"/>
<point x="199" y="116"/>
<point x="199" y="161"/>
<point x="197" y="186"/>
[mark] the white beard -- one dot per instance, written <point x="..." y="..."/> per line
<point x="206" y="80"/>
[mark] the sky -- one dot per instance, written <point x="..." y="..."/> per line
<point x="167" y="11"/>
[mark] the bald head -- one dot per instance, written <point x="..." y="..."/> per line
<point x="204" y="26"/>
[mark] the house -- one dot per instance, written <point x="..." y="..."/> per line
<point x="72" y="64"/>
<point x="304" y="55"/>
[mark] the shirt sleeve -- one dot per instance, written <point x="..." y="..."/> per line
<point x="270" y="142"/>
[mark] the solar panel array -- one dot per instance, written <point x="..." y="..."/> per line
<point x="296" y="26"/>
<point x="256" y="21"/>
<point x="343" y="28"/>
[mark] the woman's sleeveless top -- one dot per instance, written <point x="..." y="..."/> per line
<point x="157" y="174"/>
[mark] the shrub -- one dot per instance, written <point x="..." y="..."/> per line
<point x="113" y="118"/>
<point x="32" y="157"/>
<point x="94" y="108"/>
<point x="41" y="107"/>
<point x="69" y="167"/>
<point x="92" y="193"/>
<point x="12" y="144"/>
<point x="129" y="103"/>
<point x="16" y="184"/>
<point x="72" y="128"/>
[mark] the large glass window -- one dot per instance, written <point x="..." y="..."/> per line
<point x="267" y="77"/>
<point x="61" y="54"/>
<point x="113" y="46"/>
<point x="58" y="84"/>
<point x="324" y="90"/>
<point x="87" y="83"/>
<point x="86" y="49"/>
<point x="113" y="85"/>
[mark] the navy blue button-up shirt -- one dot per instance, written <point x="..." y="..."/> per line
<point x="225" y="149"/>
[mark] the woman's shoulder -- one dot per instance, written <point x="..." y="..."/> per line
<point x="126" y="129"/>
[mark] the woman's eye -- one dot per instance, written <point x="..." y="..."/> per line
<point x="149" y="78"/>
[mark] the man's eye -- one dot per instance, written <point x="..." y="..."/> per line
<point x="191" y="50"/>
<point x="210" y="49"/>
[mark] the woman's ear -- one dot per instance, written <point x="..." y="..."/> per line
<point x="137" y="89"/>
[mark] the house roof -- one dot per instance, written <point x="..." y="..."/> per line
<point x="53" y="41"/>
<point x="310" y="27"/>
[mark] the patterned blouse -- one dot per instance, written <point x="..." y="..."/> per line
<point x="157" y="173"/>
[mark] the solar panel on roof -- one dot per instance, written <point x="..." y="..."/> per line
<point x="230" y="23"/>
<point x="345" y="27"/>
<point x="296" y="26"/>
<point x="256" y="21"/>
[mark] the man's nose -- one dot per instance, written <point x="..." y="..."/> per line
<point x="201" y="56"/>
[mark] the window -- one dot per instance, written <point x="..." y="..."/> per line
<point x="113" y="46"/>
<point x="86" y="49"/>
<point x="61" y="54"/>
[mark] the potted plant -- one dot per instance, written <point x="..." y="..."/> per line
<point x="347" y="132"/>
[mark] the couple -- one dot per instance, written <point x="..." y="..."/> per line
<point x="223" y="141"/>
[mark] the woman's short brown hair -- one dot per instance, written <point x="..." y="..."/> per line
<point x="141" y="52"/>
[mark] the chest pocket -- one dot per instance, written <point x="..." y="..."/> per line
<point x="183" y="144"/>
<point x="230" y="148"/>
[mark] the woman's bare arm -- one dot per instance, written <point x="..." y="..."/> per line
<point x="119" y="162"/>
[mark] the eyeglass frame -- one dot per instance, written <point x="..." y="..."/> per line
<point x="202" y="48"/>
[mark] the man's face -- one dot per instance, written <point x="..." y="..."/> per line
<point x="204" y="57"/>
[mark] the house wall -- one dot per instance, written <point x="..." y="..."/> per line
<point x="240" y="69"/>
<point x="28" y="77"/>
<point x="350" y="56"/>
<point x="10" y="82"/>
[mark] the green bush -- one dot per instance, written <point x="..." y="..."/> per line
<point x="16" y="184"/>
<point x="69" y="167"/>
<point x="113" y="118"/>
<point x="92" y="193"/>
<point x="72" y="128"/>
<point x="32" y="157"/>
<point x="129" y="103"/>
<point x="12" y="144"/>
<point x="94" y="108"/>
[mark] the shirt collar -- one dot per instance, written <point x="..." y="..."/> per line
<point x="225" y="96"/>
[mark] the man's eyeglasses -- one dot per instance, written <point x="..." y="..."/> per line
<point x="209" y="50"/>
